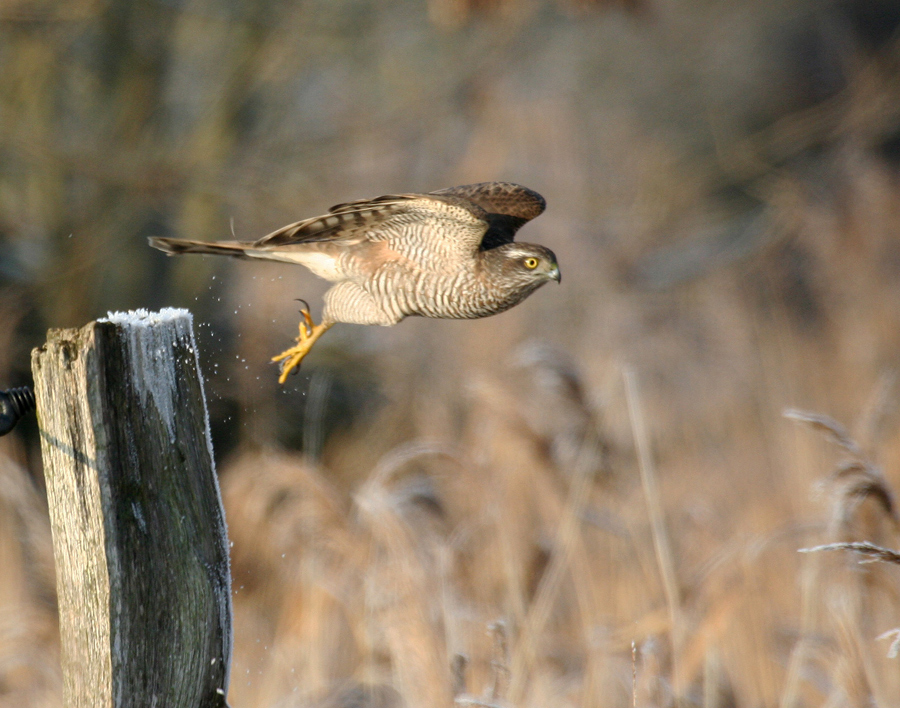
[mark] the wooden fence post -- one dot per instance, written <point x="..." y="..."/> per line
<point x="139" y="535"/>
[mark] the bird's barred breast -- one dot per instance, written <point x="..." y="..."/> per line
<point x="460" y="295"/>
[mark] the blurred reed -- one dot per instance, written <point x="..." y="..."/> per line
<point x="722" y="182"/>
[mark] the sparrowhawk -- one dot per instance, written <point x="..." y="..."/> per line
<point x="447" y="254"/>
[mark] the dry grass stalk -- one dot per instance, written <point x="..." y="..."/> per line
<point x="295" y="564"/>
<point x="833" y="431"/>
<point x="472" y="701"/>
<point x="564" y="546"/>
<point x="661" y="543"/>
<point x="863" y="509"/>
<point x="803" y="648"/>
<point x="500" y="662"/>
<point x="872" y="552"/>
<point x="458" y="672"/>
<point x="894" y="636"/>
<point x="633" y="675"/>
<point x="29" y="637"/>
<point x="405" y="576"/>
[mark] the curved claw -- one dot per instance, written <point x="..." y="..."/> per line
<point x="309" y="334"/>
<point x="307" y="318"/>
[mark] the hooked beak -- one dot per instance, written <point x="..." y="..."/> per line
<point x="555" y="274"/>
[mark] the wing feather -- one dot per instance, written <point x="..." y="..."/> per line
<point x="434" y="230"/>
<point x="348" y="224"/>
<point x="508" y="207"/>
<point x="426" y="228"/>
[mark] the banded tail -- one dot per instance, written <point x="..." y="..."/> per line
<point x="177" y="246"/>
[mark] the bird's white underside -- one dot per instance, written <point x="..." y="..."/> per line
<point x="320" y="264"/>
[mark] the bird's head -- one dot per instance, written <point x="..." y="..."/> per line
<point x="526" y="263"/>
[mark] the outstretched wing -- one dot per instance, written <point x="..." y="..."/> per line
<point x="429" y="229"/>
<point x="508" y="206"/>
<point x="435" y="230"/>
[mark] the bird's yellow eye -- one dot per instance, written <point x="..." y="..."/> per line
<point x="531" y="263"/>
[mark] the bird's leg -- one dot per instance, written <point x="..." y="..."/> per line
<point x="309" y="333"/>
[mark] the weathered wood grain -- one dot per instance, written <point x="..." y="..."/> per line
<point x="139" y="533"/>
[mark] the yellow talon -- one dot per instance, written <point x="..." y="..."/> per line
<point x="309" y="333"/>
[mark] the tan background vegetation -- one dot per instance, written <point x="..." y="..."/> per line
<point x="609" y="462"/>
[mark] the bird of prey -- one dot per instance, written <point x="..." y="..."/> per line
<point x="447" y="254"/>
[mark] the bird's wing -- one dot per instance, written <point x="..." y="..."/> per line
<point x="508" y="206"/>
<point x="427" y="229"/>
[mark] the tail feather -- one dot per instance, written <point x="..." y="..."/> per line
<point x="177" y="246"/>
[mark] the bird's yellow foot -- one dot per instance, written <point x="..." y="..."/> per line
<point x="309" y="333"/>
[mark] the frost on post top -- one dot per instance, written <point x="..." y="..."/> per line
<point x="151" y="337"/>
<point x="145" y="318"/>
